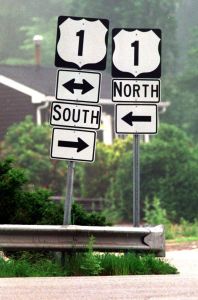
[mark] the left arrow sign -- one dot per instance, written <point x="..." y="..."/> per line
<point x="80" y="145"/>
<point x="85" y="86"/>
<point x="130" y="118"/>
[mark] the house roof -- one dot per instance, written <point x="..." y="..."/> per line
<point x="43" y="79"/>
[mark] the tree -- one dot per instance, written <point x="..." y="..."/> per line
<point x="168" y="172"/>
<point x="18" y="205"/>
<point x="29" y="145"/>
<point x="137" y="14"/>
<point x="183" y="94"/>
<point x="39" y="17"/>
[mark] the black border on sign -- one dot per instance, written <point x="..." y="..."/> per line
<point x="137" y="79"/>
<point x="59" y="62"/>
<point x="71" y="159"/>
<point x="119" y="74"/>
<point x="62" y="103"/>
<point x="115" y="124"/>
<point x="74" y="71"/>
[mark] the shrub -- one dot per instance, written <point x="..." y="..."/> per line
<point x="80" y="217"/>
<point x="29" y="145"/>
<point x="91" y="264"/>
<point x="168" y="166"/>
<point x="18" y="205"/>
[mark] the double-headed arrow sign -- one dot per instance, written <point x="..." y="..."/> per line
<point x="78" y="86"/>
<point x="85" y="86"/>
<point x="136" y="118"/>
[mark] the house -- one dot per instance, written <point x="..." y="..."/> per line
<point x="29" y="90"/>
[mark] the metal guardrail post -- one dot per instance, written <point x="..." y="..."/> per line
<point x="68" y="238"/>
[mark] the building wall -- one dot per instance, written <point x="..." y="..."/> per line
<point x="14" y="107"/>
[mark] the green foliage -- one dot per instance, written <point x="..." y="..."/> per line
<point x="154" y="214"/>
<point x="18" y="205"/>
<point x="38" y="18"/>
<point x="184" y="231"/>
<point x="168" y="171"/>
<point x="182" y="92"/>
<point x="131" y="14"/>
<point x="91" y="265"/>
<point x="25" y="268"/>
<point x="80" y="217"/>
<point x="29" y="145"/>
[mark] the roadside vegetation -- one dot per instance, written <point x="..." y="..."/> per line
<point x="28" y="264"/>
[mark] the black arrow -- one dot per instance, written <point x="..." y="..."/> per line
<point x="80" y="145"/>
<point x="84" y="86"/>
<point x="129" y="118"/>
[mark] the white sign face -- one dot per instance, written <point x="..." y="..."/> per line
<point x="78" y="86"/>
<point x="132" y="90"/>
<point x="136" y="119"/>
<point x="81" y="43"/>
<point x="75" y="115"/>
<point x="73" y="144"/>
<point x="136" y="53"/>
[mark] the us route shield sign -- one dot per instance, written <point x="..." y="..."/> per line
<point x="81" y="43"/>
<point x="136" y="53"/>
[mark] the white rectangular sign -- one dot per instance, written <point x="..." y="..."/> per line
<point x="131" y="118"/>
<point x="75" y="115"/>
<point x="78" y="86"/>
<point x="73" y="144"/>
<point x="132" y="90"/>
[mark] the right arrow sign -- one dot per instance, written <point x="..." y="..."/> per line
<point x="136" y="119"/>
<point x="73" y="144"/>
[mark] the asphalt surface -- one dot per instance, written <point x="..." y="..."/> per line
<point x="171" y="287"/>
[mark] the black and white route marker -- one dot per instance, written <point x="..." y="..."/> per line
<point x="132" y="90"/>
<point x="78" y="86"/>
<point x="136" y="119"/>
<point x="81" y="43"/>
<point x="75" y="115"/>
<point x="73" y="144"/>
<point x="136" y="53"/>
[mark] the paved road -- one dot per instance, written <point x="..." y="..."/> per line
<point x="186" y="261"/>
<point x="170" y="287"/>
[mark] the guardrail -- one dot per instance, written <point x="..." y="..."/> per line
<point x="70" y="237"/>
<point x="90" y="204"/>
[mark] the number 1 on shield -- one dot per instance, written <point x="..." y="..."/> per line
<point x="80" y="34"/>
<point x="136" y="52"/>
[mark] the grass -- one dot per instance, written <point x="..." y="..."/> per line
<point x="183" y="232"/>
<point x="86" y="264"/>
<point x="184" y="239"/>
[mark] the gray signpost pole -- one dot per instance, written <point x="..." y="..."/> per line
<point x="68" y="201"/>
<point x="69" y="193"/>
<point x="136" y="181"/>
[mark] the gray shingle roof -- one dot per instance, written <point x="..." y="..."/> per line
<point x="43" y="79"/>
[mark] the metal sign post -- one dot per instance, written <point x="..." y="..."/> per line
<point x="136" y="180"/>
<point x="69" y="193"/>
